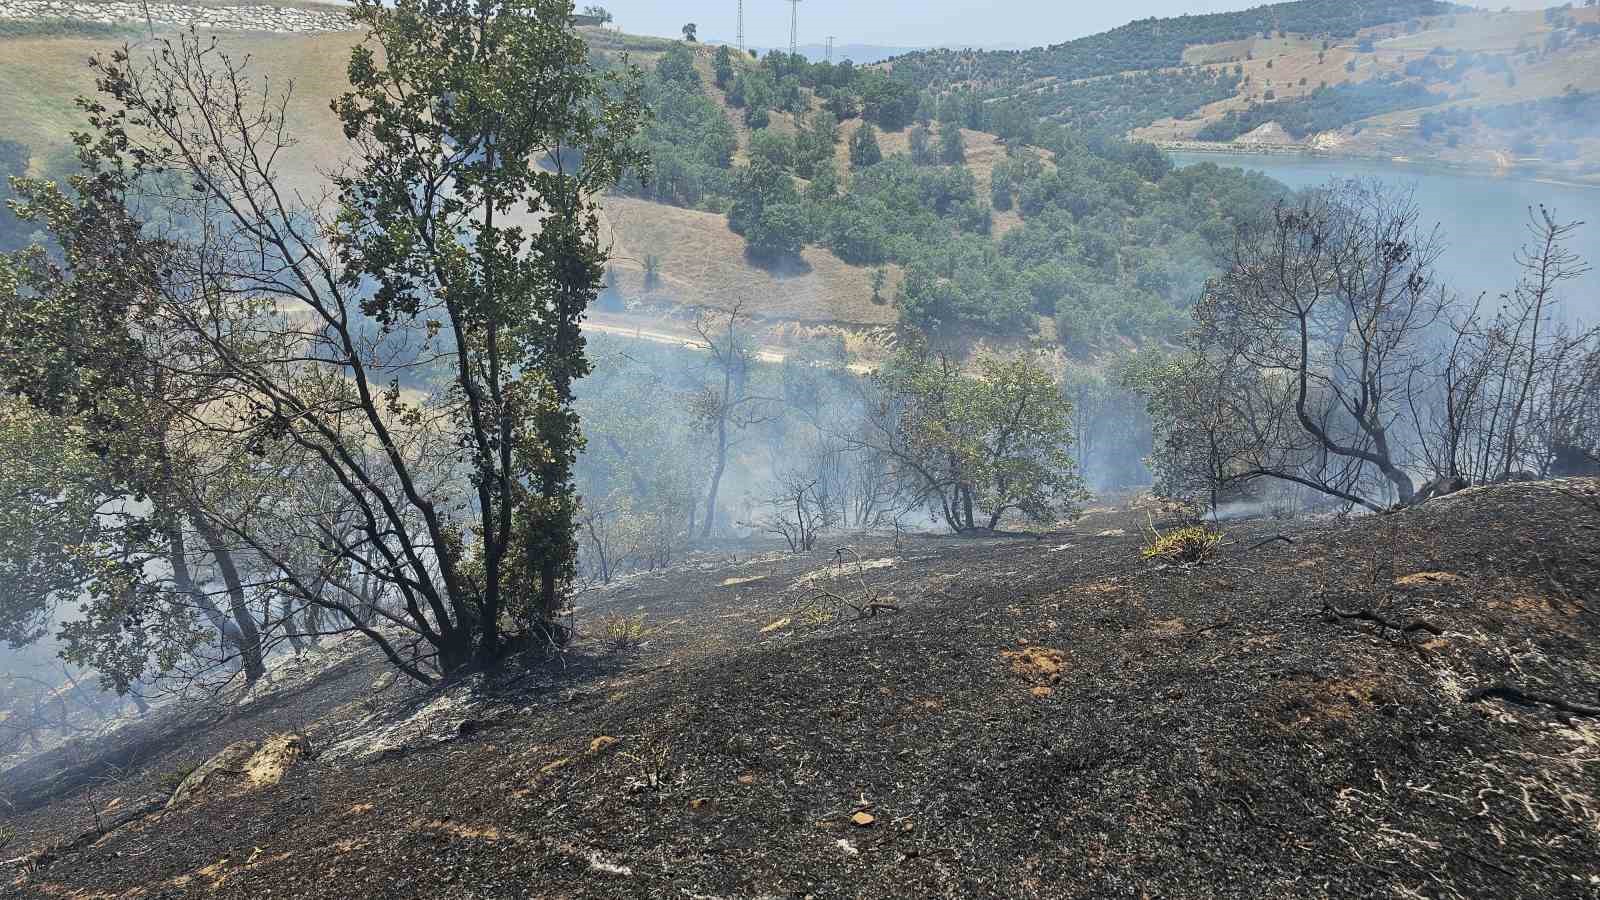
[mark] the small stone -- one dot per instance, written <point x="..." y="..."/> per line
<point x="863" y="819"/>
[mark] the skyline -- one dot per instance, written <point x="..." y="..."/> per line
<point x="900" y="23"/>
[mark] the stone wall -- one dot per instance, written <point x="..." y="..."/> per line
<point x="282" y="19"/>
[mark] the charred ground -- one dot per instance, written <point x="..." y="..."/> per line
<point x="1043" y="717"/>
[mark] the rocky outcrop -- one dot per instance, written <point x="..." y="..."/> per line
<point x="242" y="766"/>
<point x="278" y="19"/>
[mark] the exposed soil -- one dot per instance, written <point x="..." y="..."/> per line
<point x="1045" y="717"/>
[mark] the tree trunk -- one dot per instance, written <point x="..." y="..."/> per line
<point x="716" y="475"/>
<point x="249" y="635"/>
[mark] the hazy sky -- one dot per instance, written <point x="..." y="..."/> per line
<point x="906" y="23"/>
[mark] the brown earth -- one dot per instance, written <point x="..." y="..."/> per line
<point x="1046" y="716"/>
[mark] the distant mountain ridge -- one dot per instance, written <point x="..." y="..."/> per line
<point x="867" y="54"/>
<point x="1157" y="43"/>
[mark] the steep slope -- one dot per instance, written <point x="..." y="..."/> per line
<point x="1042" y="718"/>
<point x="702" y="262"/>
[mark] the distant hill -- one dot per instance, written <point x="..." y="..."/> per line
<point x="1157" y="43"/>
<point x="866" y="54"/>
<point x="1413" y="78"/>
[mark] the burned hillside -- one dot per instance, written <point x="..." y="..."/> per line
<point x="1400" y="705"/>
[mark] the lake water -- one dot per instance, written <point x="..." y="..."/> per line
<point x="1483" y="218"/>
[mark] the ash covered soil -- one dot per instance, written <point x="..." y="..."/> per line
<point x="1046" y="717"/>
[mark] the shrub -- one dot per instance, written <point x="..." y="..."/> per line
<point x="620" y="633"/>
<point x="1187" y="546"/>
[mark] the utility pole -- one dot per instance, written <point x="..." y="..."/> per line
<point x="794" y="27"/>
<point x="741" y="26"/>
<point x="830" y="48"/>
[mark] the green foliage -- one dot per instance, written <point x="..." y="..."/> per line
<point x="922" y="146"/>
<point x="814" y="143"/>
<point x="768" y="213"/>
<point x="952" y="147"/>
<point x="517" y="298"/>
<point x="687" y="138"/>
<point x="965" y="281"/>
<point x="864" y="149"/>
<point x="891" y="103"/>
<point x="983" y="446"/>
<point x="1151" y="43"/>
<point x="676" y="67"/>
<point x="722" y="67"/>
<point x="773" y="148"/>
<point x="186" y="360"/>
<point x="48" y="526"/>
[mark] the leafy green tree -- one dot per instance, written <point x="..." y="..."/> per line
<point x="952" y="147"/>
<point x="1001" y="187"/>
<point x="824" y="187"/>
<point x="921" y="140"/>
<point x="890" y="103"/>
<point x="464" y="252"/>
<point x="976" y="447"/>
<point x="49" y="500"/>
<point x="690" y="31"/>
<point x="864" y="149"/>
<point x="965" y="282"/>
<point x="773" y="147"/>
<point x="722" y="66"/>
<point x="768" y="213"/>
<point x="814" y="144"/>
<point x="676" y="66"/>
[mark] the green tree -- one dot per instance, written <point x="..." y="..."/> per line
<point x="952" y="147"/>
<point x="773" y="147"/>
<point x="689" y="32"/>
<point x="978" y="447"/>
<point x="814" y="144"/>
<point x="465" y="248"/>
<point x="676" y="66"/>
<point x="767" y="212"/>
<point x="722" y="66"/>
<point x="922" y="146"/>
<point x="48" y="508"/>
<point x="864" y="149"/>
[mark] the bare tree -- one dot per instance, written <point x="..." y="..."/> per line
<point x="1318" y="330"/>
<point x="798" y="512"/>
<point x="1513" y="396"/>
<point x="728" y="407"/>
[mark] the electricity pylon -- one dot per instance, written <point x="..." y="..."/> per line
<point x="794" y="27"/>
